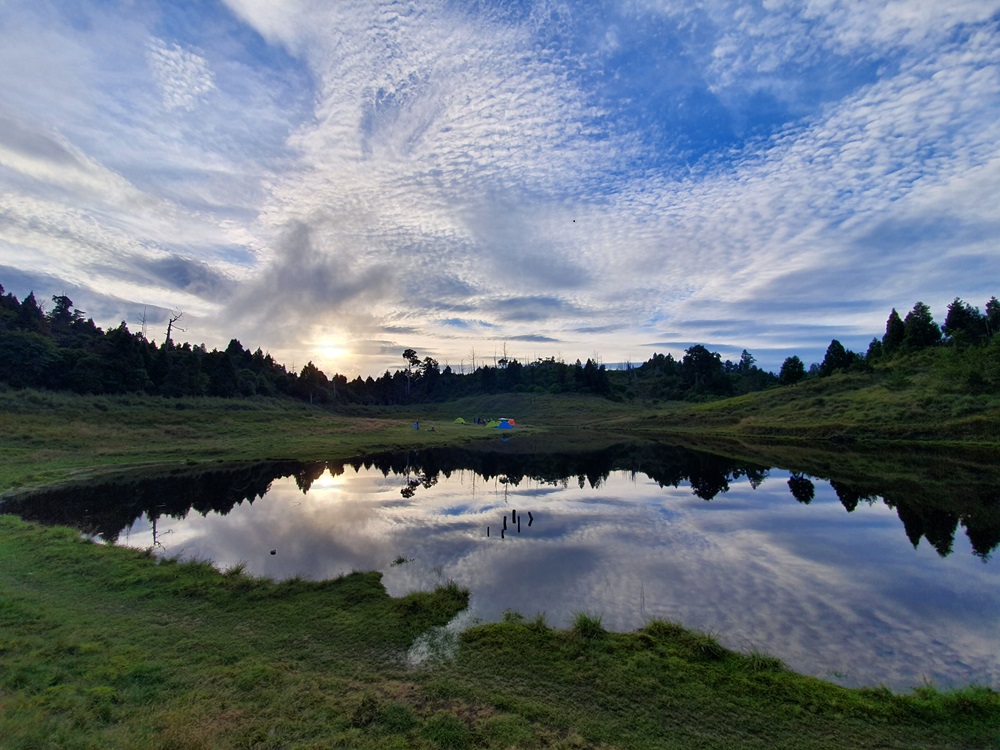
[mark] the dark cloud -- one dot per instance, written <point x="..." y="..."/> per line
<point x="442" y="288"/>
<point x="449" y="307"/>
<point x="531" y="309"/>
<point x="928" y="232"/>
<point x="188" y="275"/>
<point x="535" y="337"/>
<point x="684" y="345"/>
<point x="18" y="137"/>
<point x="717" y="326"/>
<point x="175" y="272"/>
<point x="599" y="329"/>
<point x="463" y="323"/>
<point x="105" y="309"/>
<point x="306" y="283"/>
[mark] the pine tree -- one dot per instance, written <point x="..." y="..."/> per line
<point x="920" y="330"/>
<point x="964" y="323"/>
<point x="894" y="332"/>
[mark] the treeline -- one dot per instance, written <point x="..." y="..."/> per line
<point x="61" y="349"/>
<point x="965" y="329"/>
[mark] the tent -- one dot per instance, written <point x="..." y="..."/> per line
<point x="505" y="424"/>
<point x="459" y="420"/>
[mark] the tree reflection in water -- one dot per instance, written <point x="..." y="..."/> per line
<point x="106" y="509"/>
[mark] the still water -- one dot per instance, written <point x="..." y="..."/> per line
<point x="838" y="582"/>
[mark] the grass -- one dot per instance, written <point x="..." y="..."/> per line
<point x="588" y="626"/>
<point x="47" y="437"/>
<point x="50" y="437"/>
<point x="104" y="646"/>
<point x="109" y="647"/>
<point x="926" y="397"/>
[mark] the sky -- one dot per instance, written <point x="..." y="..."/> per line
<point x="337" y="181"/>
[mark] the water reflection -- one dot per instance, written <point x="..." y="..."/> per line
<point x="886" y="592"/>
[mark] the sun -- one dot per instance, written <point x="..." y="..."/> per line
<point x="331" y="352"/>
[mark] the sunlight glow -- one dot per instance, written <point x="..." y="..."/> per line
<point x="327" y="481"/>
<point x="331" y="354"/>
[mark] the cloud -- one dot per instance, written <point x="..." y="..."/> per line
<point x="597" y="175"/>
<point x="535" y="338"/>
<point x="183" y="77"/>
<point x="306" y="284"/>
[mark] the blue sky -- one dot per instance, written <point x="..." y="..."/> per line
<point x="339" y="181"/>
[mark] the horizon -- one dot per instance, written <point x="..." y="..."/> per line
<point x="337" y="183"/>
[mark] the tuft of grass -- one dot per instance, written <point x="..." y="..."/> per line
<point x="396" y="718"/>
<point x="588" y="626"/>
<point x="236" y="570"/>
<point x="512" y="617"/>
<point x="366" y="713"/>
<point x="447" y="731"/>
<point x="538" y="624"/>
<point x="758" y="661"/>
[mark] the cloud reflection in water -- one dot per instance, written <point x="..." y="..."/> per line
<point x="839" y="595"/>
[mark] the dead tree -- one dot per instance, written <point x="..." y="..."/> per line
<point x="175" y="315"/>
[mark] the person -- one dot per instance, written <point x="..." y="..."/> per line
<point x="416" y="425"/>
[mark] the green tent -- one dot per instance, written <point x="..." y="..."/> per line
<point x="494" y="423"/>
<point x="459" y="420"/>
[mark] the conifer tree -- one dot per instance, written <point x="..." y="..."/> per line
<point x="920" y="330"/>
<point x="894" y="333"/>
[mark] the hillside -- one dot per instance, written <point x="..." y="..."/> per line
<point x="941" y="394"/>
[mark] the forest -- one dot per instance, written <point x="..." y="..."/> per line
<point x="60" y="349"/>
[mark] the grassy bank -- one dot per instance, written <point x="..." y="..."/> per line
<point x="925" y="397"/>
<point x="106" y="647"/>
<point x="103" y="647"/>
<point x="47" y="437"/>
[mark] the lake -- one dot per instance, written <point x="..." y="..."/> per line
<point x="843" y="579"/>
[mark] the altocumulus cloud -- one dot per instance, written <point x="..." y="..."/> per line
<point x="182" y="76"/>
<point x="605" y="178"/>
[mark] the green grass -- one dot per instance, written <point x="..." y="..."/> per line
<point x="925" y="397"/>
<point x="588" y="626"/>
<point x="50" y="437"/>
<point x="108" y="647"/>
